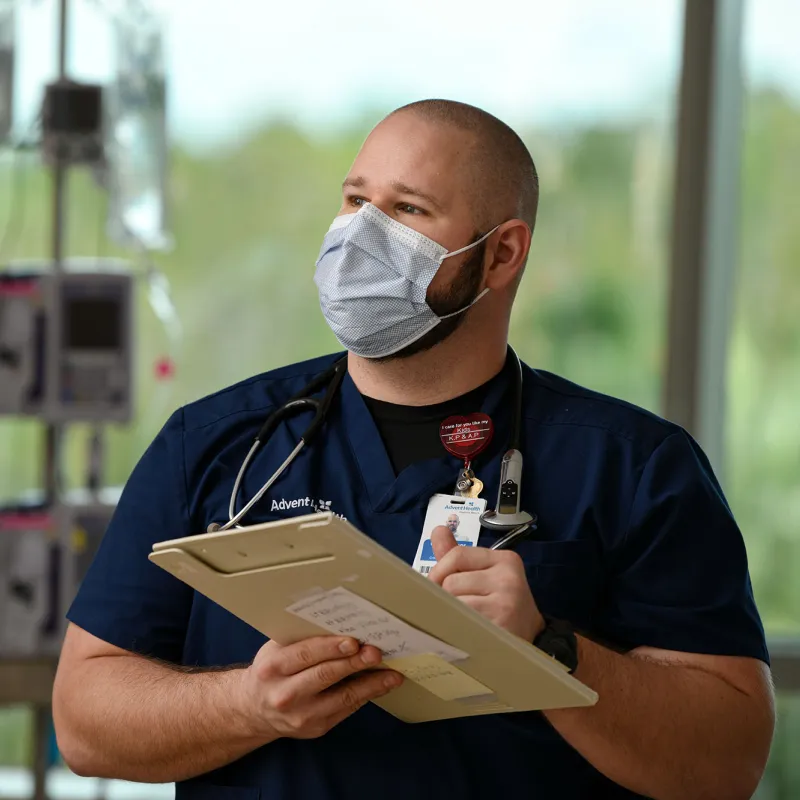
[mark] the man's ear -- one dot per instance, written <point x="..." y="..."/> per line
<point x="506" y="252"/>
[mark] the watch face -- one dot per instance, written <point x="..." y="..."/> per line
<point x="558" y="641"/>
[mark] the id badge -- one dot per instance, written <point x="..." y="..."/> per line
<point x="461" y="514"/>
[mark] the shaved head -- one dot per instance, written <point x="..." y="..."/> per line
<point x="502" y="178"/>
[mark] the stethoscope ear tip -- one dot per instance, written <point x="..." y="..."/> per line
<point x="214" y="527"/>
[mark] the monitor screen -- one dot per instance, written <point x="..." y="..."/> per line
<point x="93" y="323"/>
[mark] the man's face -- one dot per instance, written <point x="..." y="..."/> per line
<point x="413" y="171"/>
<point x="452" y="523"/>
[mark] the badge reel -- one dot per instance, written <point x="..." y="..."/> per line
<point x="461" y="512"/>
<point x="466" y="437"/>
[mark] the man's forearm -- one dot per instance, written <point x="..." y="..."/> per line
<point x="130" y="718"/>
<point x="665" y="730"/>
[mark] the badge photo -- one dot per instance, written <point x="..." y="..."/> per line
<point x="462" y="515"/>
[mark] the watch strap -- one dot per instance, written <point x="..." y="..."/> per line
<point x="558" y="640"/>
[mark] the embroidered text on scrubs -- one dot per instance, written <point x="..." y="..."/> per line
<point x="303" y="502"/>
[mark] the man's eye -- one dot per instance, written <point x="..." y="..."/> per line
<point x="407" y="208"/>
<point x="356" y="201"/>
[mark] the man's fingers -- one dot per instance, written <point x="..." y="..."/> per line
<point x="468" y="559"/>
<point x="341" y="701"/>
<point x="442" y="541"/>
<point x="479" y="582"/>
<point x="322" y="676"/>
<point x="303" y="655"/>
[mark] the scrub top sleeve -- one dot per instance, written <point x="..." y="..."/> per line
<point x="679" y="577"/>
<point x="125" y="599"/>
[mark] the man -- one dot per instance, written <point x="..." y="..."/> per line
<point x="636" y="547"/>
<point x="452" y="523"/>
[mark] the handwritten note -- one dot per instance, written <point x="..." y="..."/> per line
<point x="342" y="612"/>
<point x="437" y="676"/>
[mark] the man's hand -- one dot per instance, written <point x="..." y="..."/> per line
<point x="301" y="691"/>
<point x="492" y="582"/>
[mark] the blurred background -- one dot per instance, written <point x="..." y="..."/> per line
<point x="665" y="266"/>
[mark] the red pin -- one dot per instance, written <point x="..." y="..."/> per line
<point x="465" y="437"/>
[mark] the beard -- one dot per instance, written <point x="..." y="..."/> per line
<point x="461" y="292"/>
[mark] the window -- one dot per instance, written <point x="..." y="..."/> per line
<point x="764" y="368"/>
<point x="763" y="427"/>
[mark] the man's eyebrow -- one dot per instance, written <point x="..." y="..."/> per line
<point x="356" y="182"/>
<point x="403" y="188"/>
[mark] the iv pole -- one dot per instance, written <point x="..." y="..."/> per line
<point x="54" y="431"/>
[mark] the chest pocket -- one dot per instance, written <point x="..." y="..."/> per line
<point x="566" y="578"/>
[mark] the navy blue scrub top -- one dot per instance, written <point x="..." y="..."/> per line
<point x="636" y="545"/>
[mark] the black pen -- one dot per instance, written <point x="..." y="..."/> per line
<point x="512" y="537"/>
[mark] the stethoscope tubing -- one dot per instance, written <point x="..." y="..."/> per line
<point x="235" y="517"/>
<point x="321" y="408"/>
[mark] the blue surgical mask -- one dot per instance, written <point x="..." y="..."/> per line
<point x="373" y="275"/>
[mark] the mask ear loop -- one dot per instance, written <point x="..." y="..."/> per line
<point x="462" y="310"/>
<point x="464" y="250"/>
<point x="469" y="246"/>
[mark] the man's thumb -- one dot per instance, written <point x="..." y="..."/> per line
<point x="443" y="541"/>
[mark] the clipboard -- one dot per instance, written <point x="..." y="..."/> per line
<point x="258" y="572"/>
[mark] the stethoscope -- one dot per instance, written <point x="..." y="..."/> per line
<point x="506" y="517"/>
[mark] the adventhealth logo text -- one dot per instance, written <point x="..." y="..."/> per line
<point x="303" y="502"/>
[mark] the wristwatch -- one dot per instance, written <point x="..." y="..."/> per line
<point x="558" y="640"/>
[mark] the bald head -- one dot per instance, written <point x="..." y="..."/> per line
<point x="502" y="179"/>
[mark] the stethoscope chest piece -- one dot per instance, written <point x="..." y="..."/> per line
<point x="504" y="522"/>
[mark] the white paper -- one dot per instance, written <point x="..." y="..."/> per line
<point x="342" y="612"/>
